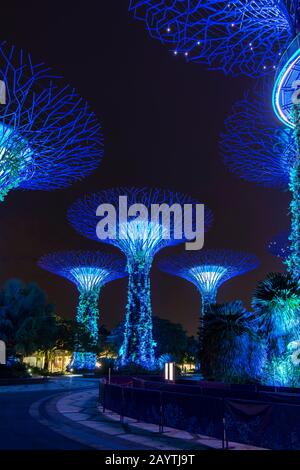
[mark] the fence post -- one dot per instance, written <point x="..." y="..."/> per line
<point x="122" y="405"/>
<point x="161" y="413"/>
<point x="104" y="394"/>
<point x="224" y="437"/>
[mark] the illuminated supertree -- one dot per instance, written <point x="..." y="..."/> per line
<point x="49" y="138"/>
<point x="238" y="36"/>
<point x="208" y="270"/>
<point x="279" y="246"/>
<point x="286" y="106"/>
<point x="139" y="239"/>
<point x="255" y="146"/>
<point x="261" y="150"/>
<point x="89" y="271"/>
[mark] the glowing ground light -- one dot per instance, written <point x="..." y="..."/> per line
<point x="287" y="81"/>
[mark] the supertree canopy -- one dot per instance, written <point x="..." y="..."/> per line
<point x="260" y="150"/>
<point x="208" y="270"/>
<point x="237" y="36"/>
<point x="139" y="240"/>
<point x="255" y="146"/>
<point x="280" y="245"/>
<point x="89" y="271"/>
<point x="49" y="137"/>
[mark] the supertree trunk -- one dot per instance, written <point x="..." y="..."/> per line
<point x="138" y="345"/>
<point x="208" y="299"/>
<point x="87" y="315"/>
<point x="293" y="261"/>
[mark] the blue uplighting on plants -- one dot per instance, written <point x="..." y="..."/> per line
<point x="49" y="138"/>
<point x="235" y="36"/>
<point x="142" y="241"/>
<point x="89" y="271"/>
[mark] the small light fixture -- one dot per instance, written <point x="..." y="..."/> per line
<point x="170" y="371"/>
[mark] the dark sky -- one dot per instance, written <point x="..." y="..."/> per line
<point x="161" y="119"/>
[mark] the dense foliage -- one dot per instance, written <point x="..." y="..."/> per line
<point x="28" y="323"/>
<point x="276" y="304"/>
<point x="171" y="339"/>
<point x="231" y="350"/>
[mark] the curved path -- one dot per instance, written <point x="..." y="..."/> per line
<point x="19" y="430"/>
<point x="62" y="414"/>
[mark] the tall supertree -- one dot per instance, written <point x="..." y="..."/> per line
<point x="279" y="246"/>
<point x="139" y="240"/>
<point x="208" y="270"/>
<point x="49" y="138"/>
<point x="238" y="36"/>
<point x="89" y="271"/>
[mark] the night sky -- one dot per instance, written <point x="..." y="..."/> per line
<point x="161" y="120"/>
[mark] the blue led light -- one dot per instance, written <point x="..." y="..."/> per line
<point x="279" y="246"/>
<point x="89" y="271"/>
<point x="208" y="270"/>
<point x="288" y="73"/>
<point x="255" y="146"/>
<point x="89" y="277"/>
<point x="49" y="138"/>
<point x="139" y="240"/>
<point x="84" y="361"/>
<point x="237" y="37"/>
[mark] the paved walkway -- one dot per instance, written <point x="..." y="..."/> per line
<point x="64" y="383"/>
<point x="64" y="414"/>
<point x="76" y="416"/>
<point x="82" y="408"/>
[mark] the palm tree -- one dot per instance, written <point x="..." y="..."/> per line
<point x="276" y="304"/>
<point x="231" y="349"/>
